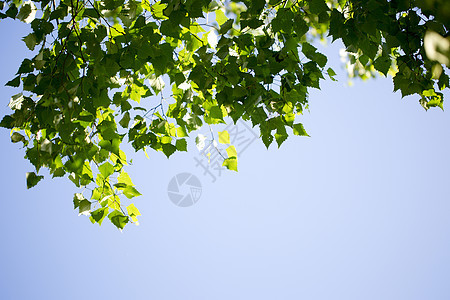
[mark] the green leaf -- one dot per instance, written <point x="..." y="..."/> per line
<point x="320" y="59"/>
<point x="220" y="17"/>
<point x="299" y="130"/>
<point x="133" y="212"/>
<point x="125" y="120"/>
<point x="25" y="67"/>
<point x="181" y="145"/>
<point x="267" y="139"/>
<point x="99" y="215"/>
<point x="131" y="192"/>
<point x="7" y="122"/>
<point x="106" y="169"/>
<point x="224" y="137"/>
<point x="216" y="113"/>
<point x="337" y="27"/>
<point x="331" y="73"/>
<point x="118" y="219"/>
<point x="12" y="11"/>
<point x="157" y="10"/>
<point x="181" y="132"/>
<point x="435" y="101"/>
<point x="77" y="198"/>
<point x="226" y="26"/>
<point x="27" y="12"/>
<point x="300" y="26"/>
<point x="124" y="178"/>
<point x="33" y="179"/>
<point x="59" y="172"/>
<point x="318" y="6"/>
<point x="230" y="163"/>
<point x="231" y="151"/>
<point x="31" y="41"/>
<point x="84" y="207"/>
<point x="194" y="8"/>
<point x="17" y="137"/>
<point x="14" y="83"/>
<point x="61" y="12"/>
<point x="281" y="135"/>
<point x="382" y="64"/>
<point x="168" y="149"/>
<point x="116" y="30"/>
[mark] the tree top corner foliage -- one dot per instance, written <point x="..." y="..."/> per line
<point x="98" y="69"/>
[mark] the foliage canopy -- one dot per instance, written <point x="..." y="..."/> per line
<point x="99" y="68"/>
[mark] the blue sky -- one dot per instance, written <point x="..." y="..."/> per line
<point x="360" y="210"/>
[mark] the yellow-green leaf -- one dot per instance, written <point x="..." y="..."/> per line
<point x="230" y="163"/>
<point x="224" y="137"/>
<point x="231" y="151"/>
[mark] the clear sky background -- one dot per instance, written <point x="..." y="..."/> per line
<point x="360" y="210"/>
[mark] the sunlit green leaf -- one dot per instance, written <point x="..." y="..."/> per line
<point x="124" y="178"/>
<point x="131" y="192"/>
<point x="84" y="207"/>
<point x="133" y="212"/>
<point x="224" y="137"/>
<point x="230" y="163"/>
<point x="106" y="169"/>
<point x="299" y="130"/>
<point x="231" y="151"/>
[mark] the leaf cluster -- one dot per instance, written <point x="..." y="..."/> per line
<point x="98" y="77"/>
